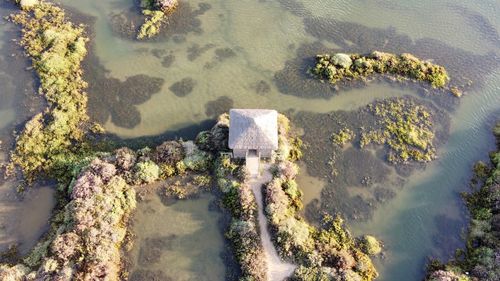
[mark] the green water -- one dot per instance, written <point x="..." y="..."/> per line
<point x="181" y="240"/>
<point x="424" y="218"/>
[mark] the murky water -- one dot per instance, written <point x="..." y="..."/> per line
<point x="23" y="217"/>
<point x="181" y="241"/>
<point x="232" y="53"/>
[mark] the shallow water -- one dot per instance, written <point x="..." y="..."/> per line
<point x="23" y="217"/>
<point x="427" y="217"/>
<point x="423" y="218"/>
<point x="181" y="240"/>
<point x="23" y="220"/>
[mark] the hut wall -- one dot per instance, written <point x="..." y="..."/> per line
<point x="266" y="153"/>
<point x="239" y="153"/>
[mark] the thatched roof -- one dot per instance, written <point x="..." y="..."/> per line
<point x="253" y="129"/>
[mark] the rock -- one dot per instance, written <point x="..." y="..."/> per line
<point x="358" y="63"/>
<point x="370" y="245"/>
<point x="28" y="3"/>
<point x="342" y="60"/>
<point x="166" y="6"/>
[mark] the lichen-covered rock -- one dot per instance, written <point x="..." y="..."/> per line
<point x="52" y="140"/>
<point x="27" y="3"/>
<point x="166" y="6"/>
<point x="342" y="60"/>
<point x="370" y="245"/>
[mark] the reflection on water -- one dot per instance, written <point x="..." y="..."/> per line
<point x="181" y="241"/>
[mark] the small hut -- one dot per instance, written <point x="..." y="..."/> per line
<point x="253" y="132"/>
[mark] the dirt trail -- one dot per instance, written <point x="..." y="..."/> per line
<point x="277" y="270"/>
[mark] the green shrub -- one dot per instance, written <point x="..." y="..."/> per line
<point x="198" y="160"/>
<point x="146" y="172"/>
<point x="167" y="171"/>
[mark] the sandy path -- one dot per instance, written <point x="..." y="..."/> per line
<point x="277" y="269"/>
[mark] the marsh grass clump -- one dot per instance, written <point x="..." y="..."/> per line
<point x="215" y="140"/>
<point x="343" y="137"/>
<point x="355" y="66"/>
<point x="466" y="68"/>
<point x="407" y="130"/>
<point x="90" y="222"/>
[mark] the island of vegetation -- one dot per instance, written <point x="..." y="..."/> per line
<point x="156" y="14"/>
<point x="58" y="136"/>
<point x="337" y="67"/>
<point x="479" y="259"/>
<point x="98" y="189"/>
